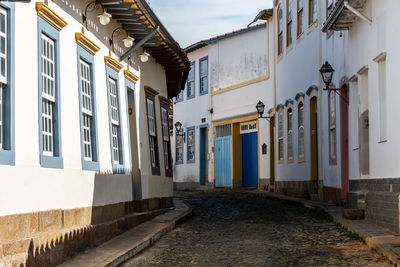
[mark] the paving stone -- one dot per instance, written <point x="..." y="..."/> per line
<point x="230" y="229"/>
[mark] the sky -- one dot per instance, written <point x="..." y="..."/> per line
<point x="190" y="21"/>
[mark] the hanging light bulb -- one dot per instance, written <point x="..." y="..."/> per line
<point x="104" y="18"/>
<point x="144" y="57"/>
<point x="128" y="41"/>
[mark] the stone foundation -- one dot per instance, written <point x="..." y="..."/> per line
<point x="332" y="195"/>
<point x="263" y="184"/>
<point x="47" y="238"/>
<point x="379" y="198"/>
<point x="192" y="186"/>
<point x="301" y="189"/>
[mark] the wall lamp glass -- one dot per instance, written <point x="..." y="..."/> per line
<point x="144" y="57"/>
<point x="327" y="75"/>
<point x="178" y="132"/>
<point x="260" y="110"/>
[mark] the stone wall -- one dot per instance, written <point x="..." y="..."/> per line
<point x="47" y="238"/>
<point x="379" y="198"/>
<point x="332" y="195"/>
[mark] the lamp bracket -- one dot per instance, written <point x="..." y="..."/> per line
<point x="118" y="30"/>
<point x="267" y="117"/>
<point x="337" y="91"/>
<point x="89" y="8"/>
<point x="139" y="44"/>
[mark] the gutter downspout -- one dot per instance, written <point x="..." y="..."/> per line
<point x="357" y="13"/>
<point x="320" y="112"/>
<point x="274" y="107"/>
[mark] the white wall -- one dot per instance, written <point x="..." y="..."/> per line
<point x="190" y="113"/>
<point x="28" y="187"/>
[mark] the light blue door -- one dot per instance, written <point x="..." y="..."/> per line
<point x="223" y="165"/>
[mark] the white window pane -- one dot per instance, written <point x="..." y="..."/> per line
<point x="115" y="143"/>
<point x="47" y="127"/>
<point x="1" y="118"/>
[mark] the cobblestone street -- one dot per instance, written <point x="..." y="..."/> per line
<point x="236" y="230"/>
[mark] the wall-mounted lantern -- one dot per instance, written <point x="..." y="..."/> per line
<point x="178" y="128"/>
<point x="260" y="110"/>
<point x="104" y="18"/>
<point x="327" y="75"/>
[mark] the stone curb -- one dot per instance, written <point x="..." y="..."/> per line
<point x="121" y="252"/>
<point x="384" y="242"/>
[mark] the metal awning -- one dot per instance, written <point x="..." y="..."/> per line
<point x="342" y="18"/>
<point x="139" y="21"/>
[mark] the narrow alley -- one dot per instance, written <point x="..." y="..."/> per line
<point x="230" y="229"/>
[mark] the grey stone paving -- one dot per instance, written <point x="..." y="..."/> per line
<point x="230" y="229"/>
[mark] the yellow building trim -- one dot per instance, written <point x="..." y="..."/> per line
<point x="164" y="100"/>
<point x="86" y="43"/>
<point x="150" y="90"/>
<point x="49" y="15"/>
<point x="113" y="63"/>
<point x="240" y="85"/>
<point x="130" y="76"/>
<point x="236" y="120"/>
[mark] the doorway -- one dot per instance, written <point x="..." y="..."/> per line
<point x="314" y="138"/>
<point x="223" y="156"/>
<point x="249" y="160"/>
<point x="272" y="152"/>
<point x="203" y="155"/>
<point x="344" y="140"/>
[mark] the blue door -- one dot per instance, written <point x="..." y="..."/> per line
<point x="223" y="166"/>
<point x="203" y="155"/>
<point x="249" y="160"/>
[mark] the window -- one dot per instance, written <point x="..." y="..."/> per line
<point x="166" y="140"/>
<point x="332" y="127"/>
<point x="204" y="76"/>
<point x="382" y="101"/>
<point x="300" y="125"/>
<point x="312" y="11"/>
<point x="153" y="144"/>
<point x="49" y="96"/>
<point x="280" y="137"/>
<point x="355" y="100"/>
<point x="190" y="145"/>
<point x="289" y="38"/>
<point x="280" y="30"/>
<point x="7" y="154"/>
<point x="117" y="159"/>
<point x="290" y="134"/>
<point x="87" y="110"/>
<point x="179" y="149"/>
<point x="190" y="86"/>
<point x="300" y="27"/>
<point x="179" y="97"/>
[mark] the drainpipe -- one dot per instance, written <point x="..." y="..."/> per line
<point x="320" y="110"/>
<point x="357" y="13"/>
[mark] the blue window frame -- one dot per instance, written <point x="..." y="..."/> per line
<point x="87" y="110"/>
<point x="191" y="145"/>
<point x="49" y="96"/>
<point x="191" y="84"/>
<point x="179" y="97"/>
<point x="7" y="84"/>
<point x="179" y="148"/>
<point x="115" y="121"/>
<point x="203" y="63"/>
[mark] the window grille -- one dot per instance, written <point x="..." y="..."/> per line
<point x="204" y="75"/>
<point x="87" y="110"/>
<point x="114" y="119"/>
<point x="3" y="46"/>
<point x="223" y="130"/>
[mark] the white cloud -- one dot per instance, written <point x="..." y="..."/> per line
<point x="190" y="21"/>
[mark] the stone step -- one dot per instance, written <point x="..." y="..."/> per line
<point x="353" y="214"/>
<point x="314" y="197"/>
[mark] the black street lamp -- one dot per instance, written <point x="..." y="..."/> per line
<point x="327" y="75"/>
<point x="178" y="127"/>
<point x="260" y="110"/>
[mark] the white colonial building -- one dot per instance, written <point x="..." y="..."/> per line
<point x="223" y="143"/>
<point x="83" y="122"/>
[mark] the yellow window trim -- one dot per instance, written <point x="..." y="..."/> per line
<point x="49" y="15"/>
<point x="240" y="85"/>
<point x="236" y="120"/>
<point x="164" y="100"/>
<point x="86" y="43"/>
<point x="151" y="91"/>
<point x="130" y="76"/>
<point x="112" y="63"/>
